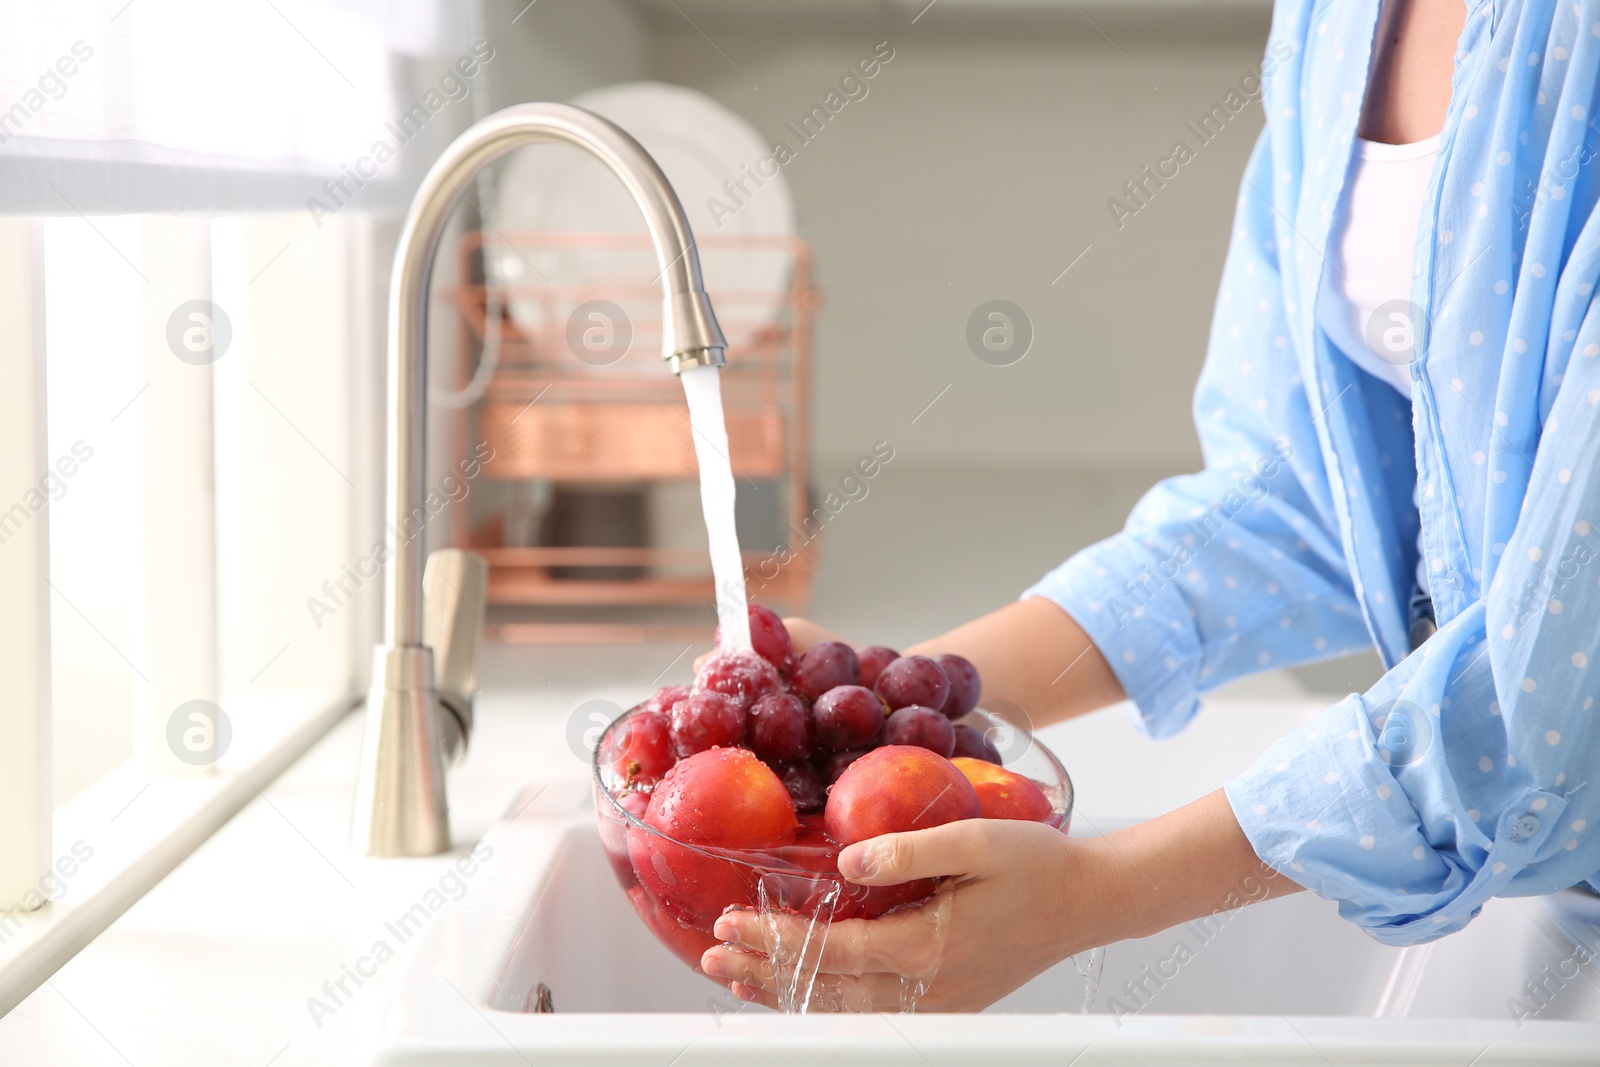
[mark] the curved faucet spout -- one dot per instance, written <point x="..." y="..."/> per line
<point x="400" y="801"/>
<point x="689" y="335"/>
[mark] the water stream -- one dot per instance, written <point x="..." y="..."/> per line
<point x="1090" y="965"/>
<point x="703" y="387"/>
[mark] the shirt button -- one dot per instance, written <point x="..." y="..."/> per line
<point x="1525" y="827"/>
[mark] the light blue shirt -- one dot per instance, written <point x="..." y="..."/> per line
<point x="1469" y="770"/>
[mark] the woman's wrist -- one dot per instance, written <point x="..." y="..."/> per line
<point x="1138" y="881"/>
<point x="1093" y="906"/>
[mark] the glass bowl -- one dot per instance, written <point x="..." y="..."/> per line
<point x="680" y="889"/>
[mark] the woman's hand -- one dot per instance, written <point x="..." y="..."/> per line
<point x="1009" y="908"/>
<point x="1017" y="898"/>
<point x="804" y="633"/>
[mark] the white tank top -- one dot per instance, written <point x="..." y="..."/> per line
<point x="1364" y="303"/>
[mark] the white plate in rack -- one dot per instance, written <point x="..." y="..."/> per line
<point x="700" y="145"/>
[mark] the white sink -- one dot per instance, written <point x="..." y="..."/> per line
<point x="1286" y="982"/>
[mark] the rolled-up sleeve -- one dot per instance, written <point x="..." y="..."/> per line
<point x="1469" y="770"/>
<point x="1238" y="568"/>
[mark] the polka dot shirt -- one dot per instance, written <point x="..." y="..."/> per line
<point x="1468" y="771"/>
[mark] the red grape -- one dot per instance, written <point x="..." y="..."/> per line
<point x="974" y="745"/>
<point x="838" y="762"/>
<point x="873" y="659"/>
<point x="639" y="750"/>
<point x="706" y="720"/>
<point x="743" y="676"/>
<point x="779" y="727"/>
<point x="804" y="785"/>
<point x="825" y="666"/>
<point x="964" y="685"/>
<point x="846" y="717"/>
<point x="913" y="680"/>
<point x="922" y="727"/>
<point x="663" y="699"/>
<point x="770" y="637"/>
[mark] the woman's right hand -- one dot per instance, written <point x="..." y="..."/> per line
<point x="804" y="633"/>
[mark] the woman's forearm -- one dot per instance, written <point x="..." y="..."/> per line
<point x="1184" y="865"/>
<point x="1036" y="656"/>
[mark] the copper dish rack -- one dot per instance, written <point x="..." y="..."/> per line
<point x="549" y="416"/>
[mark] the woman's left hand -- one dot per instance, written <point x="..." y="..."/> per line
<point x="1014" y="902"/>
<point x="1017" y="898"/>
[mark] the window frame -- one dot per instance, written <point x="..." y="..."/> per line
<point x="104" y="848"/>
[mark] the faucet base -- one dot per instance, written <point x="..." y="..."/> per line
<point x="400" y="807"/>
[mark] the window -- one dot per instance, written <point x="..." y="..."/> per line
<point x="205" y="418"/>
<point x="191" y="427"/>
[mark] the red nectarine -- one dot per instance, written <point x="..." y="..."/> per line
<point x="1004" y="794"/>
<point x="896" y="788"/>
<point x="723" y="798"/>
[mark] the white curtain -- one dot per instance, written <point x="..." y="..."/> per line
<point x="111" y="106"/>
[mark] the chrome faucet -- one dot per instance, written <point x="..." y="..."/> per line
<point x="424" y="675"/>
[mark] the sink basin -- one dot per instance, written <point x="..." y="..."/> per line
<point x="543" y="961"/>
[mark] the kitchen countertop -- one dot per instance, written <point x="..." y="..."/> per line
<point x="225" y="962"/>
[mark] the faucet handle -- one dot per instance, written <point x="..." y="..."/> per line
<point x="454" y="594"/>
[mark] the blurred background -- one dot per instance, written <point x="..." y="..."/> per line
<point x="225" y="162"/>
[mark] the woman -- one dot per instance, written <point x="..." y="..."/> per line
<point x="1400" y="414"/>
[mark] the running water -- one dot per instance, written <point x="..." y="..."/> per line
<point x="796" y="909"/>
<point x="703" y="387"/>
<point x="796" y="956"/>
<point x="1089" y="965"/>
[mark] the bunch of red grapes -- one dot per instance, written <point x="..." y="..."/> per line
<point x="807" y="717"/>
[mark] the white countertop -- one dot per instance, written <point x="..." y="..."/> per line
<point x="216" y="965"/>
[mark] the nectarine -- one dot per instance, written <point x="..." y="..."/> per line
<point x="897" y="788"/>
<point x="1004" y="794"/>
<point x="723" y="798"/>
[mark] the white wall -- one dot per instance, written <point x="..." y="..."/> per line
<point x="557" y="48"/>
<point x="993" y="156"/>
